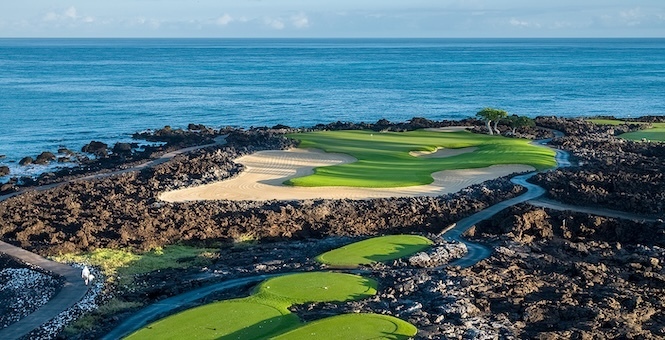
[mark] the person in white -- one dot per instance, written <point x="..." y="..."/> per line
<point x="86" y="276"/>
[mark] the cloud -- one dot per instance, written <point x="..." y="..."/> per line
<point x="69" y="15"/>
<point x="561" y="25"/>
<point x="521" y="23"/>
<point x="143" y="21"/>
<point x="276" y="24"/>
<point x="631" y="17"/>
<point x="224" y="20"/>
<point x="297" y="21"/>
<point x="300" y="20"/>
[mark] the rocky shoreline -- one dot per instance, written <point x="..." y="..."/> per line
<point x="553" y="274"/>
<point x="96" y="156"/>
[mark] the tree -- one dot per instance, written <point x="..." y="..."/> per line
<point x="516" y="121"/>
<point x="489" y="115"/>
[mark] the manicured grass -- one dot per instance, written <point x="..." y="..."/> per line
<point x="262" y="314"/>
<point x="316" y="287"/>
<point x="233" y="319"/>
<point x="384" y="160"/>
<point x="607" y="121"/>
<point x="377" y="249"/>
<point x="655" y="134"/>
<point x="621" y="122"/>
<point x="353" y="326"/>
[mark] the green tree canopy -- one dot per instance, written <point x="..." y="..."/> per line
<point x="489" y="115"/>
<point x="515" y="121"/>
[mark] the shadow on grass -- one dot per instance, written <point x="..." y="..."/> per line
<point x="400" y="250"/>
<point x="266" y="328"/>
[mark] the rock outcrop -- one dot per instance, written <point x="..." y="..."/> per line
<point x="99" y="149"/>
<point x="26" y="160"/>
<point x="45" y="158"/>
<point x="122" y="148"/>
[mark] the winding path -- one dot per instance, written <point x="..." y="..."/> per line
<point x="477" y="252"/>
<point x="71" y="292"/>
<point x="73" y="289"/>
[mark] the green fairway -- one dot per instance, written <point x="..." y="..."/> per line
<point x="316" y="287"/>
<point x="353" y="326"/>
<point x="621" y="122"/>
<point x="655" y="133"/>
<point x="384" y="160"/>
<point x="375" y="249"/>
<point x="262" y="314"/>
<point x="233" y="319"/>
<point x="608" y="121"/>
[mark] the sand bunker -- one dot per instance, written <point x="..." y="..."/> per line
<point x="442" y="152"/>
<point x="449" y="128"/>
<point x="267" y="170"/>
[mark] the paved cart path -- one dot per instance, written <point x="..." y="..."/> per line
<point x="71" y="292"/>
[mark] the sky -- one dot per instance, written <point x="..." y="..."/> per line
<point x="332" y="18"/>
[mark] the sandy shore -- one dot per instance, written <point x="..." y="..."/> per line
<point x="267" y="170"/>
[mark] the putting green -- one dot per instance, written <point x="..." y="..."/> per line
<point x="608" y="121"/>
<point x="262" y="314"/>
<point x="353" y="326"/>
<point x="316" y="287"/>
<point x="655" y="133"/>
<point x="621" y="122"/>
<point x="233" y="319"/>
<point x="377" y="249"/>
<point x="384" y="160"/>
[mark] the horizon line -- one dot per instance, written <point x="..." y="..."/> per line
<point x="338" y="38"/>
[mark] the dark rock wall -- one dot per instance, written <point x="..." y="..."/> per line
<point x="611" y="173"/>
<point x="591" y="277"/>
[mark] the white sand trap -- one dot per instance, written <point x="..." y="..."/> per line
<point x="442" y="152"/>
<point x="267" y="170"/>
<point x="449" y="128"/>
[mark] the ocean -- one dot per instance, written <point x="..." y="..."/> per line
<point x="67" y="92"/>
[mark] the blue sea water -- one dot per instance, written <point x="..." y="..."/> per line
<point x="66" y="92"/>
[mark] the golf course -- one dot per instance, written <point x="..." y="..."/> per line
<point x="655" y="133"/>
<point x="376" y="249"/>
<point x="353" y="326"/>
<point x="265" y="313"/>
<point x="385" y="159"/>
<point x="361" y="164"/>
